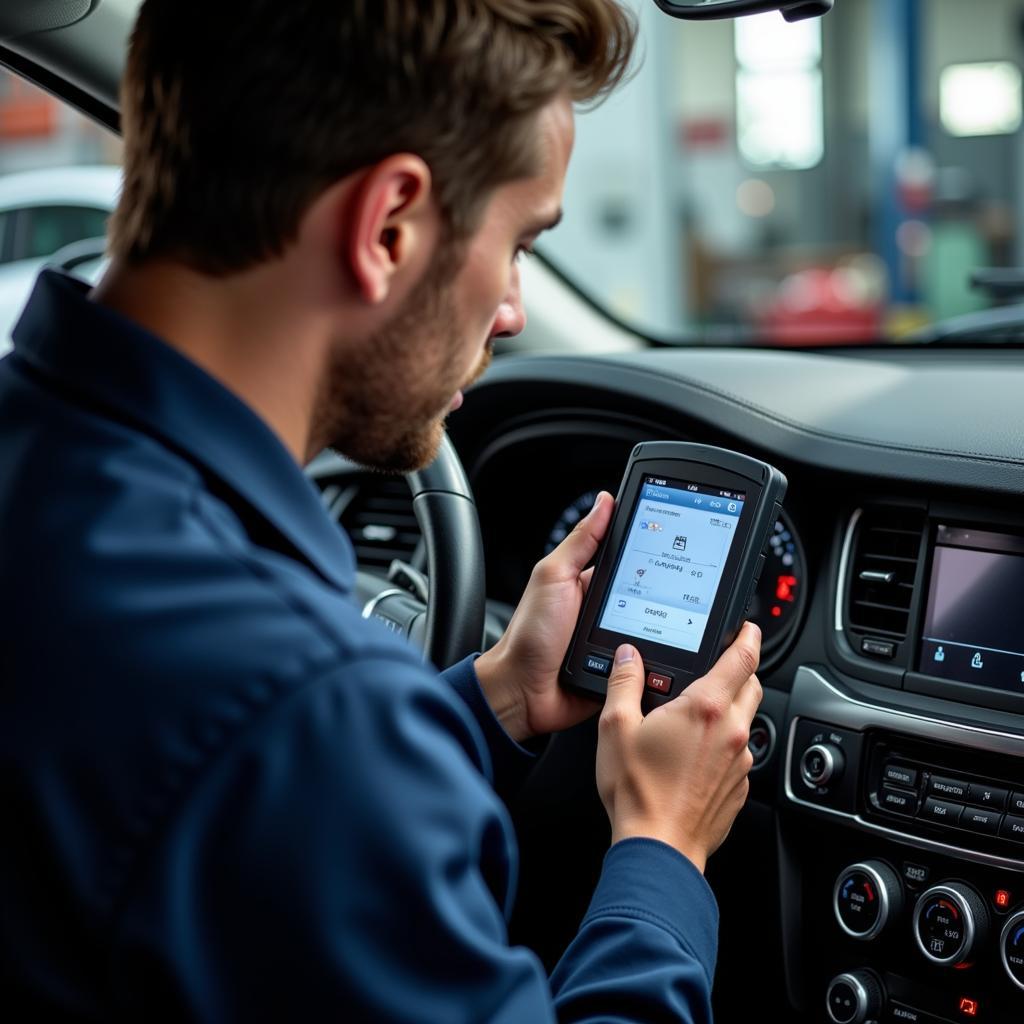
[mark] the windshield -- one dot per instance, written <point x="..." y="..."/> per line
<point x="834" y="181"/>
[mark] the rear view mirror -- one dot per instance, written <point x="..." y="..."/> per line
<point x="792" y="10"/>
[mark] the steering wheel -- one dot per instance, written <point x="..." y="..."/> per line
<point x="447" y="517"/>
<point x="444" y="612"/>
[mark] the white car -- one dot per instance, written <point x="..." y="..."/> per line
<point x="40" y="212"/>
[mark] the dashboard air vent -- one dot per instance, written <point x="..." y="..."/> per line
<point x="376" y="512"/>
<point x="882" y="571"/>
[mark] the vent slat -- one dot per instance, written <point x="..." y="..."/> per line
<point x="889" y="558"/>
<point x="879" y="604"/>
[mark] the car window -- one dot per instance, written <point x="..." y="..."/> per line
<point x="42" y="230"/>
<point x="838" y="179"/>
<point x="59" y="179"/>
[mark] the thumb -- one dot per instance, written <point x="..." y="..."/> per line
<point x="579" y="547"/>
<point x="625" y="687"/>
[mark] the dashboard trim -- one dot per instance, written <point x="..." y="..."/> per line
<point x="844" y="567"/>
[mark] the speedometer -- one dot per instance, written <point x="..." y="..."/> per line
<point x="778" y="602"/>
<point x="570" y="516"/>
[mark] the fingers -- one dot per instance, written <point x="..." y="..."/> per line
<point x="738" y="663"/>
<point x="580" y="546"/>
<point x="585" y="577"/>
<point x="625" y="689"/>
<point x="749" y="699"/>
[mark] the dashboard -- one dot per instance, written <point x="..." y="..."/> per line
<point x="877" y="872"/>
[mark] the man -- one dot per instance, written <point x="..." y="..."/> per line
<point x="228" y="797"/>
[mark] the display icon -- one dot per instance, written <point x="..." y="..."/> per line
<point x="940" y="654"/>
<point x="680" y="545"/>
<point x="976" y="661"/>
<point x="622" y="604"/>
<point x="732" y="506"/>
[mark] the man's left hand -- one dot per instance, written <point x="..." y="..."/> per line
<point x="519" y="675"/>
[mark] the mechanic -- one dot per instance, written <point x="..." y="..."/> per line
<point x="226" y="795"/>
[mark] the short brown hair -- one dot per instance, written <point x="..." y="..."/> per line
<point x="237" y="115"/>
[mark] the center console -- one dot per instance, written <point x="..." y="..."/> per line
<point x="902" y="830"/>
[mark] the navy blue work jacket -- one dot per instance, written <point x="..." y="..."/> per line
<point x="226" y="796"/>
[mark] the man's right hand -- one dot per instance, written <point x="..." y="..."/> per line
<point x="680" y="773"/>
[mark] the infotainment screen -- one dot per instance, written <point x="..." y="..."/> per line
<point x="974" y="622"/>
<point x="672" y="562"/>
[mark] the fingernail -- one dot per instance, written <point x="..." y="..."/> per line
<point x="624" y="653"/>
<point x="597" y="503"/>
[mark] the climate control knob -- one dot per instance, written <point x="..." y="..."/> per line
<point x="1011" y="948"/>
<point x="821" y="764"/>
<point x="950" y="921"/>
<point x="866" y="897"/>
<point x="856" y="997"/>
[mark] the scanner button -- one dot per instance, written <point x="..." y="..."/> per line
<point x="597" y="664"/>
<point x="659" y="682"/>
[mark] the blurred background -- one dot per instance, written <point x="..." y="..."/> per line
<point x="832" y="181"/>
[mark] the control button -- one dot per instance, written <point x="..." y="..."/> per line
<point x="984" y="820"/>
<point x="759" y="567"/>
<point x="949" y="921"/>
<point x="1012" y="828"/>
<point x="659" y="682"/>
<point x="854" y="998"/>
<point x="877" y="648"/>
<point x="900" y="1014"/>
<point x="952" y="789"/>
<point x="866" y="897"/>
<point x="987" y="796"/>
<point x="1011" y="948"/>
<point x="1016" y="803"/>
<point x="942" y="811"/>
<point x="598" y="664"/>
<point x="821" y="764"/>
<point x="899" y="775"/>
<point x="967" y="1006"/>
<point x="761" y="743"/>
<point x="1001" y="900"/>
<point x="914" y="875"/>
<point x="899" y="801"/>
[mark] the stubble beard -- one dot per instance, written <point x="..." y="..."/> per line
<point x="385" y="401"/>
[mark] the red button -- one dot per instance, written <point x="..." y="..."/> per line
<point x="658" y="682"/>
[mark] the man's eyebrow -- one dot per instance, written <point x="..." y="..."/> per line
<point x="543" y="225"/>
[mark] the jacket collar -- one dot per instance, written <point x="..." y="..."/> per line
<point x="100" y="355"/>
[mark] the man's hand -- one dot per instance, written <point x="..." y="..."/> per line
<point x="519" y="675"/>
<point x="680" y="774"/>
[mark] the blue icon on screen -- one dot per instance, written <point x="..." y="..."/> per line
<point x="940" y="654"/>
<point x="976" y="661"/>
<point x="622" y="604"/>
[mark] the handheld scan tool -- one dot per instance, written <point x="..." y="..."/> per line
<point x="678" y="565"/>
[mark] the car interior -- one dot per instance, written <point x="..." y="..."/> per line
<point x="877" y="870"/>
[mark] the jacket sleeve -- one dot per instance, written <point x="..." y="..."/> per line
<point x="511" y="762"/>
<point x="343" y="856"/>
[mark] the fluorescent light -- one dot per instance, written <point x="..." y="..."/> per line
<point x="980" y="99"/>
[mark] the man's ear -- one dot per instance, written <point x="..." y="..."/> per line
<point x="391" y="222"/>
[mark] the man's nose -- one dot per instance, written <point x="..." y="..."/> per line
<point x="511" y="317"/>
